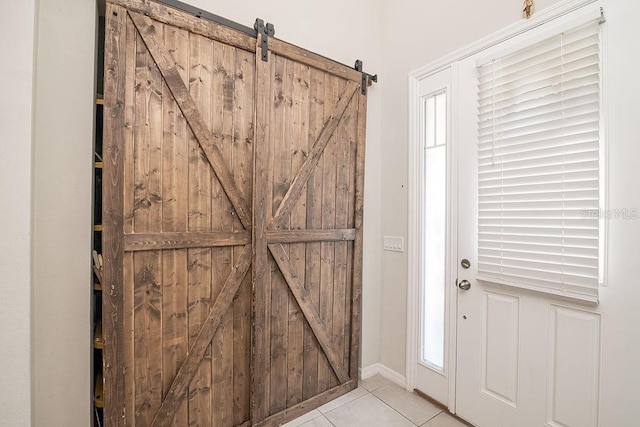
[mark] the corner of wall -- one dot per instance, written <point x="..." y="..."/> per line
<point x="373" y="196"/>
<point x="384" y="371"/>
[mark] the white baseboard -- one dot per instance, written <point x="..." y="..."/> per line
<point x="369" y="371"/>
<point x="388" y="373"/>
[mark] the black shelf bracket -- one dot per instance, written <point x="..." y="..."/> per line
<point x="367" y="79"/>
<point x="267" y="30"/>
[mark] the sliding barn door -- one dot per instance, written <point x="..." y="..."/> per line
<point x="178" y="186"/>
<point x="308" y="231"/>
<point x="232" y="223"/>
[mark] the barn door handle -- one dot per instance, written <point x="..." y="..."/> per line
<point x="465" y="285"/>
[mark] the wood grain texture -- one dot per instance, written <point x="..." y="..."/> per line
<point x="214" y="31"/>
<point x="147" y="217"/>
<point x="299" y="151"/>
<point x="296" y="188"/>
<point x="312" y="358"/>
<point x="175" y="182"/>
<point x="209" y="143"/>
<point x="114" y="365"/>
<point x="128" y="206"/>
<point x="340" y="318"/>
<point x="129" y="341"/>
<point x="242" y="139"/>
<point x="204" y="127"/>
<point x="222" y="214"/>
<point x="356" y="301"/>
<point x="148" y="335"/>
<point x="187" y="21"/>
<point x="352" y="136"/>
<point x="261" y="270"/>
<point x="175" y="148"/>
<point x="310" y="311"/>
<point x="184" y="240"/>
<point x="148" y="146"/>
<point x="175" y="330"/>
<point x="130" y="119"/>
<point x="164" y="416"/>
<point x="310" y="236"/>
<point x="303" y="56"/>
<point x="199" y="305"/>
<point x="201" y="182"/>
<point x="333" y="87"/>
<point x="281" y="119"/>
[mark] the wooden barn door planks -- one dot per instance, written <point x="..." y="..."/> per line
<point x="232" y="297"/>
<point x="309" y="170"/>
<point x="178" y="186"/>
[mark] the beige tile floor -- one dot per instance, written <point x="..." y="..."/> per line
<point x="377" y="402"/>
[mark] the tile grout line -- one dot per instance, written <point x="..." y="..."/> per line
<point x="371" y="392"/>
<point x="441" y="411"/>
<point x="405" y="417"/>
<point x="319" y="416"/>
<point x="328" y="420"/>
<point x="345" y="403"/>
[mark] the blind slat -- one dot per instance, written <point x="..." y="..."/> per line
<point x="539" y="166"/>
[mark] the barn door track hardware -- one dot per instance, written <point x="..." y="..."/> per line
<point x="259" y="27"/>
<point x="267" y="30"/>
<point x="367" y="79"/>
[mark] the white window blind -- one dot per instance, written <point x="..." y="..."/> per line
<point x="539" y="166"/>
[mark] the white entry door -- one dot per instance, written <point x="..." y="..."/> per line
<point x="524" y="358"/>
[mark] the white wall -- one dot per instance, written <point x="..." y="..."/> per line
<point x="17" y="24"/>
<point x="415" y="33"/>
<point x="619" y="300"/>
<point x="62" y="213"/>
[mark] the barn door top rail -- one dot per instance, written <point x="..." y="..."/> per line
<point x="368" y="79"/>
<point x="210" y="16"/>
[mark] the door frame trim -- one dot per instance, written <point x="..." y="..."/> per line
<point x="413" y="160"/>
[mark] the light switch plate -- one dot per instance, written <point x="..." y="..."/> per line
<point x="393" y="243"/>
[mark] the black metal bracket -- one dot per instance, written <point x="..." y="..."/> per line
<point x="367" y="79"/>
<point x="267" y="30"/>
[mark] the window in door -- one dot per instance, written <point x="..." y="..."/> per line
<point x="539" y="166"/>
<point x="434" y="214"/>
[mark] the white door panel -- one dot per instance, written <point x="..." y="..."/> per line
<point x="524" y="358"/>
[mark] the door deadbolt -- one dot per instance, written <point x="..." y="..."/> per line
<point x="465" y="263"/>
<point x="465" y="285"/>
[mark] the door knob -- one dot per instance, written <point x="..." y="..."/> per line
<point x="464" y="285"/>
